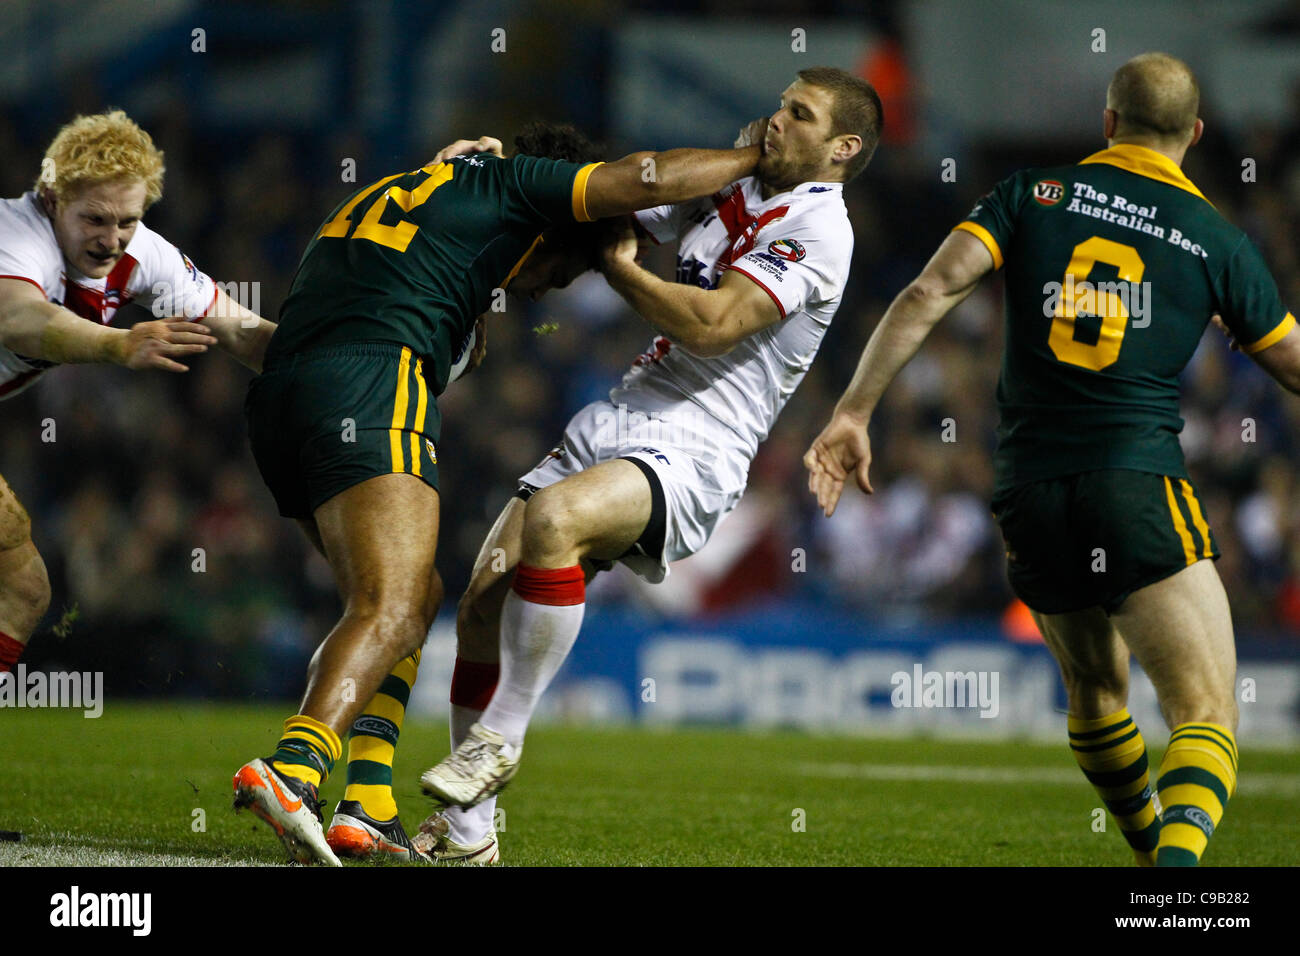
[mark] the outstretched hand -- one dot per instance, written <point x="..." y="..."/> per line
<point x="463" y="147"/>
<point x="155" y="344"/>
<point x="841" y="448"/>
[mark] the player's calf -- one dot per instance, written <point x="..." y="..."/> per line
<point x="1180" y="630"/>
<point x="478" y="620"/>
<point x="1104" y="739"/>
<point x="1092" y="658"/>
<point x="359" y="653"/>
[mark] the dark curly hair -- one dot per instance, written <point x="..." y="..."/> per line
<point x="557" y="141"/>
<point x="564" y="141"/>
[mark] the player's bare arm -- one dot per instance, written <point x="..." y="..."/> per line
<point x="645" y="179"/>
<point x="705" y="322"/>
<point x="1282" y="360"/>
<point x="842" y="447"/>
<point x="244" y="335"/>
<point x="31" y="326"/>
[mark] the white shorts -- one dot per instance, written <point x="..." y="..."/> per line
<point x="680" y="455"/>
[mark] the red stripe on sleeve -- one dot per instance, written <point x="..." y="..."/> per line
<point x="557" y="587"/>
<point x="779" y="307"/>
<point x="25" y="279"/>
<point x="204" y="313"/>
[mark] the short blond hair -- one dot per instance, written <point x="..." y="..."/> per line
<point x="104" y="147"/>
<point x="1154" y="94"/>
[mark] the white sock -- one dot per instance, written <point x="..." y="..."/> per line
<point x="472" y="825"/>
<point x="536" y="637"/>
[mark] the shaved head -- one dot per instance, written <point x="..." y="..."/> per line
<point x="1154" y="95"/>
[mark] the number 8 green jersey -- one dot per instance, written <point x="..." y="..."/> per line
<point x="1113" y="269"/>
<point x="413" y="259"/>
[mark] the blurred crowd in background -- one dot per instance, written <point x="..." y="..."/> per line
<point x="165" y="549"/>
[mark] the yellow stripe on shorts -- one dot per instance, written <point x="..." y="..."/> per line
<point x="1189" y="549"/>
<point x="399" y="413"/>
<point x="421" y="404"/>
<point x="1198" y="517"/>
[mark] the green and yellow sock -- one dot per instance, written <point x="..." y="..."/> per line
<point x="1113" y="756"/>
<point x="372" y="742"/>
<point x="307" y="750"/>
<point x="1197" y="776"/>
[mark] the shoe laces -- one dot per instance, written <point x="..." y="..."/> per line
<point x="308" y="793"/>
<point x="467" y="759"/>
<point x="312" y="799"/>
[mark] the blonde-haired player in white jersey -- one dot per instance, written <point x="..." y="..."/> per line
<point x="72" y="252"/>
<point x="646" y="477"/>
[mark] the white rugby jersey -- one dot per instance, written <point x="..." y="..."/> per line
<point x="151" y="268"/>
<point x="797" y="246"/>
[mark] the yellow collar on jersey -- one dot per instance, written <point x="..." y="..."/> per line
<point x="1145" y="162"/>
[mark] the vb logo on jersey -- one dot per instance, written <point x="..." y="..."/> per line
<point x="789" y="249"/>
<point x="1048" y="192"/>
<point x="433" y="452"/>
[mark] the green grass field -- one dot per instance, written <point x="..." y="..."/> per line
<point x="123" y="790"/>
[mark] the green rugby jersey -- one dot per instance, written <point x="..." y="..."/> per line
<point x="1114" y="267"/>
<point x="413" y="259"/>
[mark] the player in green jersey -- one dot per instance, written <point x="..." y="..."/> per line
<point x="1113" y="269"/>
<point x="344" y="419"/>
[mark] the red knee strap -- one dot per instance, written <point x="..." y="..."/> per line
<point x="557" y="587"/>
<point x="10" y="651"/>
<point x="473" y="683"/>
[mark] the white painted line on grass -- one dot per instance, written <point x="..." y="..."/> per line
<point x="1287" y="784"/>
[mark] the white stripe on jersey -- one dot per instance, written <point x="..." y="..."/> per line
<point x="150" y="269"/>
<point x="796" y="245"/>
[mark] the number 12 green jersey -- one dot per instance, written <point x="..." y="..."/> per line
<point x="413" y="259"/>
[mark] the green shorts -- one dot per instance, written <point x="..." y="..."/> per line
<point x="1092" y="539"/>
<point x="324" y="420"/>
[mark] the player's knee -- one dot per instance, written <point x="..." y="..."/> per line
<point x="29" y="589"/>
<point x="15" y="525"/>
<point x="39" y="588"/>
<point x="551" y="522"/>
<point x="399" y="626"/>
<point x="24" y="587"/>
